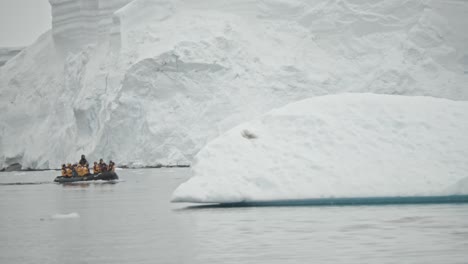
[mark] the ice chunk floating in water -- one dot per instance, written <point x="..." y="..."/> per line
<point x="65" y="216"/>
<point x="337" y="146"/>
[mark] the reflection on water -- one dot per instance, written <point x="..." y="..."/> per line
<point x="86" y="184"/>
<point x="133" y="222"/>
<point x="451" y="199"/>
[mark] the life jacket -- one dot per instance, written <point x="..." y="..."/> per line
<point x="111" y="168"/>
<point x="96" y="169"/>
<point x="80" y="170"/>
<point x="64" y="171"/>
<point x="69" y="172"/>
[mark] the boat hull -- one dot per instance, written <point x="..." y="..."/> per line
<point x="105" y="176"/>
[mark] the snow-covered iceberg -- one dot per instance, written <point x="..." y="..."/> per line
<point x="152" y="81"/>
<point x="337" y="146"/>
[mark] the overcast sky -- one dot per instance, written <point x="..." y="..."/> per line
<point x="23" y="21"/>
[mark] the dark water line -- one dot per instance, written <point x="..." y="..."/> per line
<point x="25" y="183"/>
<point x="451" y="199"/>
<point x="158" y="166"/>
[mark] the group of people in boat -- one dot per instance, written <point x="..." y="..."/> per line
<point x="81" y="168"/>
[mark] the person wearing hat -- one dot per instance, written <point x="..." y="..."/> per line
<point x="96" y="168"/>
<point x="64" y="170"/>
<point x="83" y="161"/>
<point x="69" y="170"/>
<point x="85" y="165"/>
<point x="111" y="166"/>
<point x="102" y="166"/>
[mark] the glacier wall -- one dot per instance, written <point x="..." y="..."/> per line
<point x="76" y="23"/>
<point x="164" y="77"/>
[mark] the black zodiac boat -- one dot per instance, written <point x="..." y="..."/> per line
<point x="104" y="176"/>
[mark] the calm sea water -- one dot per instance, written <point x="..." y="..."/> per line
<point x="133" y="222"/>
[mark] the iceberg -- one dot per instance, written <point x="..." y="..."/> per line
<point x="60" y="216"/>
<point x="337" y="146"/>
<point x="149" y="82"/>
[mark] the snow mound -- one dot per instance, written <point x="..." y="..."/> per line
<point x="337" y="146"/>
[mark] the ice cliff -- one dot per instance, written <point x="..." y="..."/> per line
<point x="152" y="81"/>
<point x="76" y="23"/>
<point x="337" y="146"/>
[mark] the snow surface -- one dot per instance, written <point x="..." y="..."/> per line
<point x="337" y="146"/>
<point x="7" y="53"/>
<point x="155" y="80"/>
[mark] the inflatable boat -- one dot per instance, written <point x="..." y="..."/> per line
<point x="104" y="176"/>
